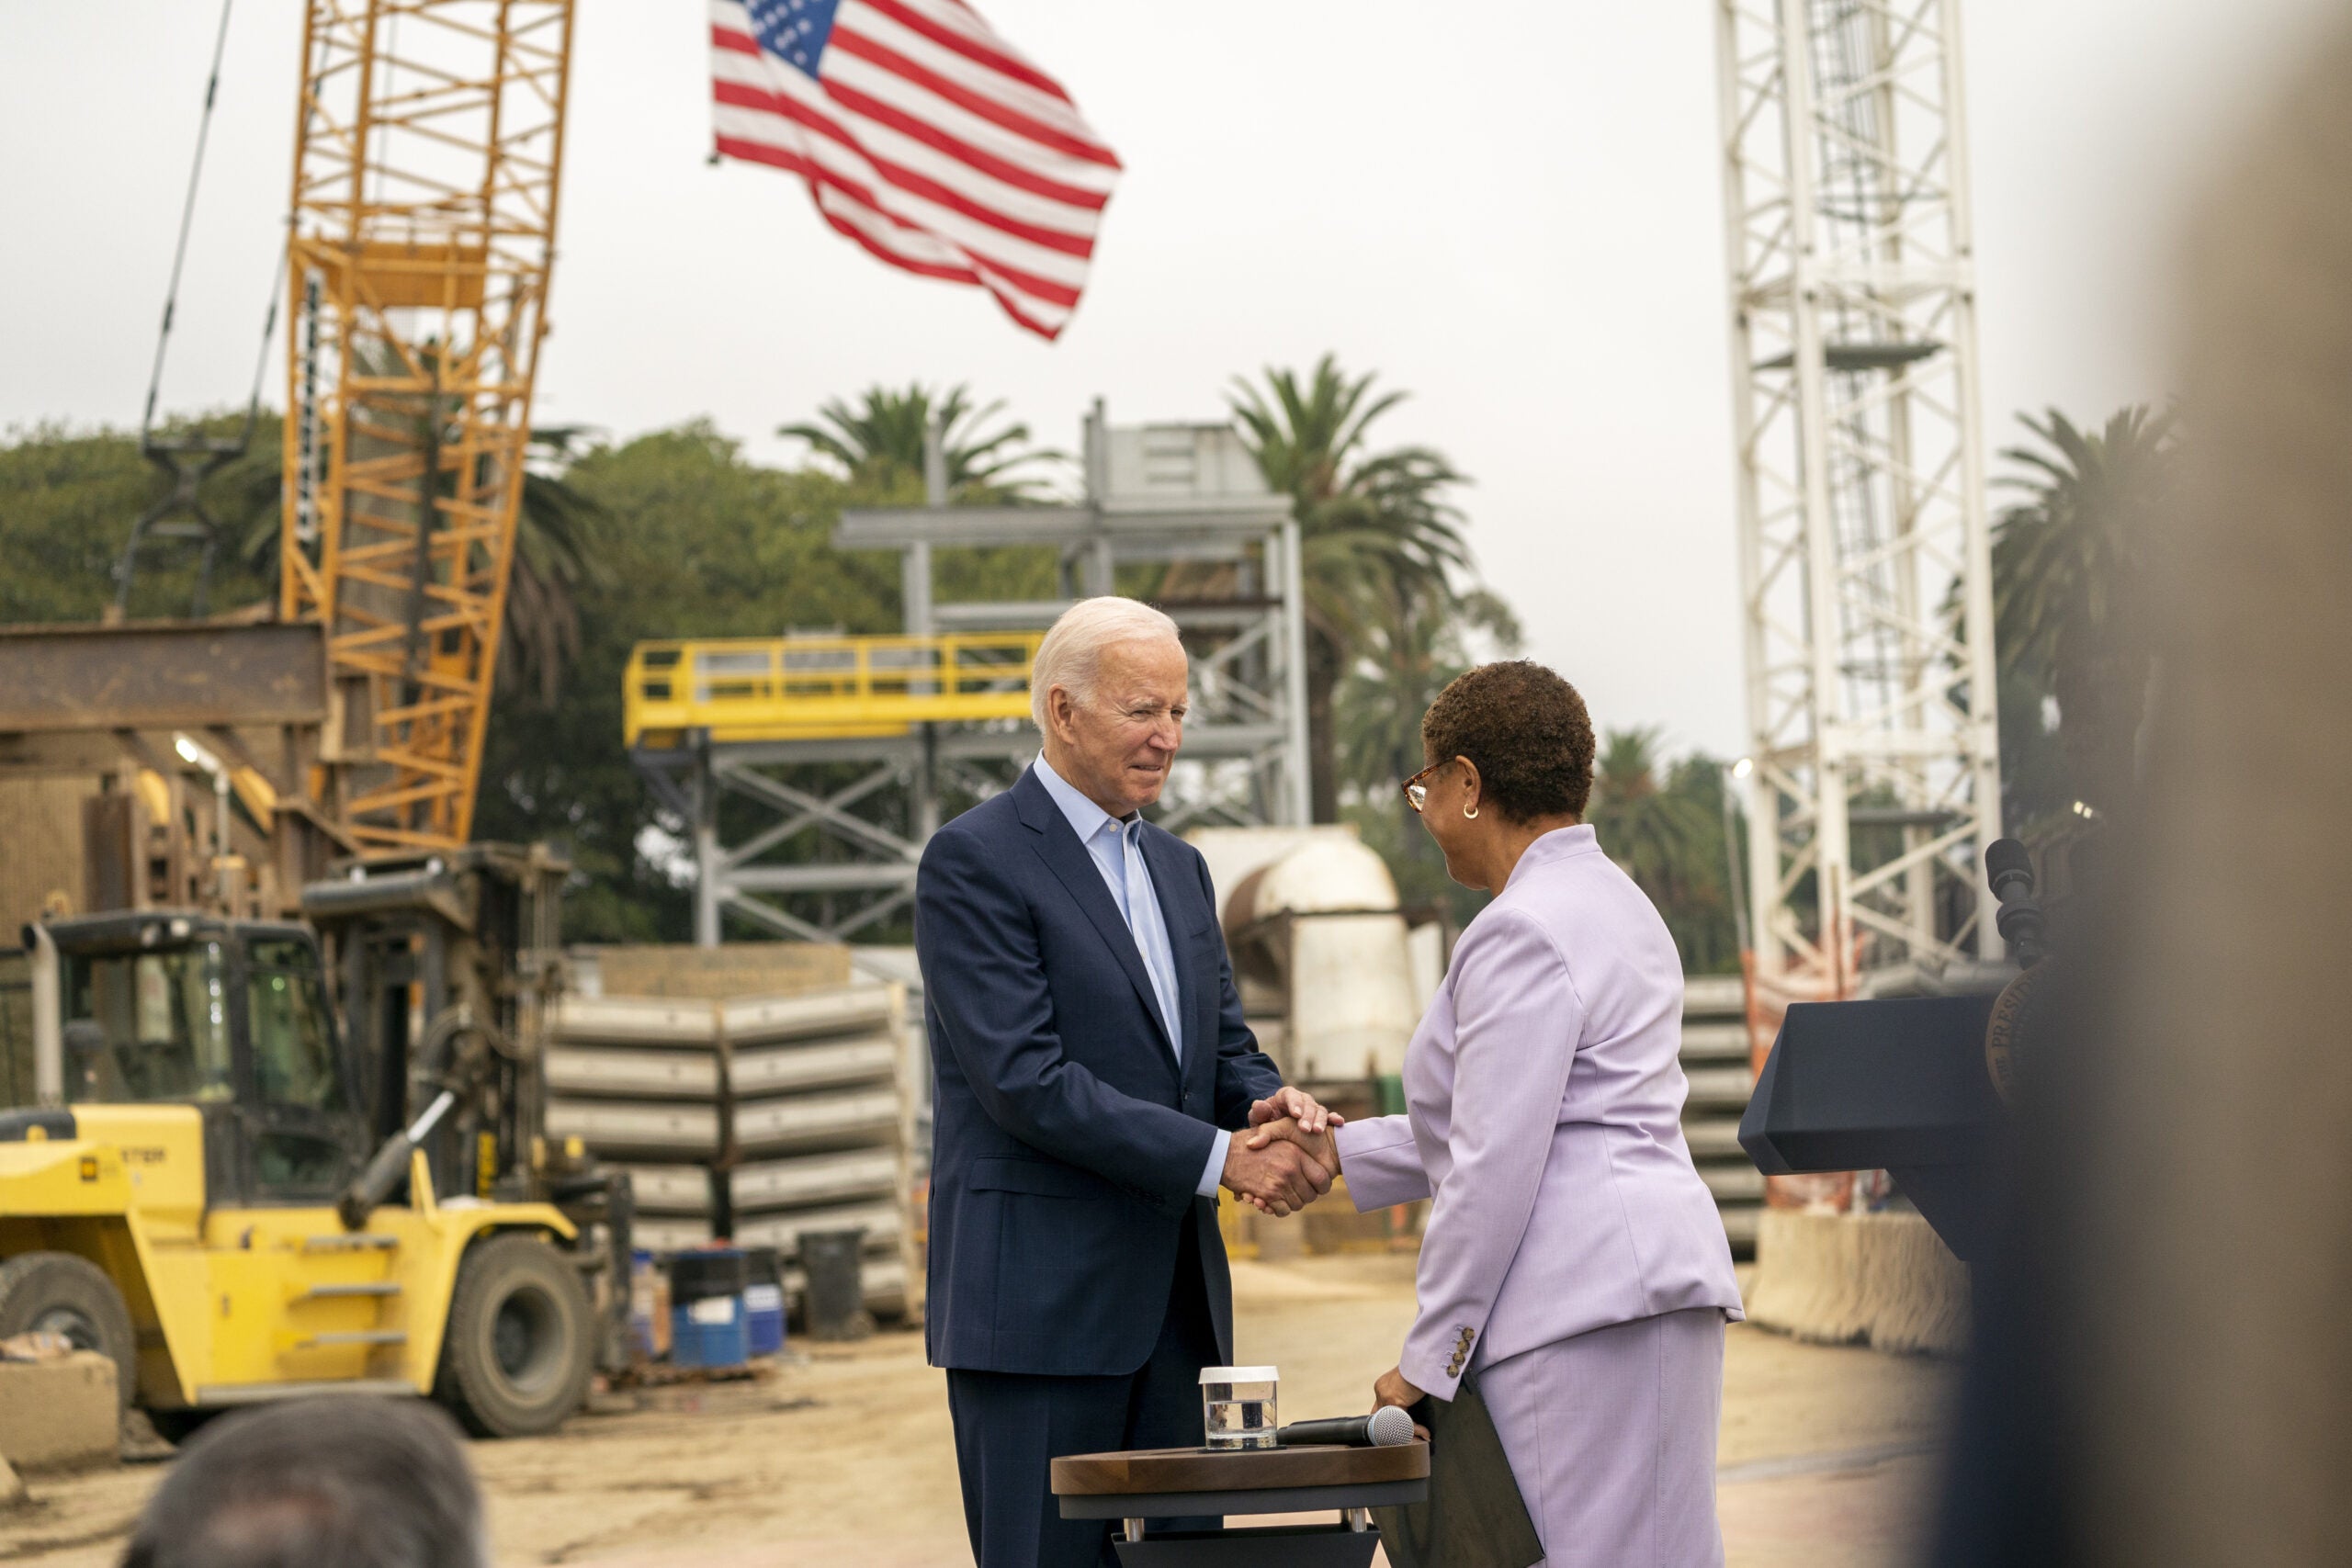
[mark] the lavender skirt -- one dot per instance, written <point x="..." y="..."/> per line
<point x="1611" y="1439"/>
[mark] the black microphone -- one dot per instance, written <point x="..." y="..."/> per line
<point x="2009" y="868"/>
<point x="2009" y="871"/>
<point x="1385" y="1428"/>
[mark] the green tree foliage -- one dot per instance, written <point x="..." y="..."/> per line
<point x="556" y="553"/>
<point x="67" y="501"/>
<point x="1703" y="913"/>
<point x="1667" y="834"/>
<point x="555" y="526"/>
<point x="2069" y="565"/>
<point x="675" y="533"/>
<point x="693" y="541"/>
<point x="558" y="556"/>
<point x="878" y="442"/>
<point x="1413" y="646"/>
<point x="1377" y="528"/>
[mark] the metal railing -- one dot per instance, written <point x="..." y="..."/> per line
<point x="821" y="688"/>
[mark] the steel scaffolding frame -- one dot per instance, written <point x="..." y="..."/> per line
<point x="871" y="795"/>
<point x="1864" y="554"/>
<point x="428" y="150"/>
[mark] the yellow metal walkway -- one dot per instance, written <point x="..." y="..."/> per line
<point x="821" y="688"/>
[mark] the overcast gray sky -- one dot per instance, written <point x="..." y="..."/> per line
<point x="1511" y="210"/>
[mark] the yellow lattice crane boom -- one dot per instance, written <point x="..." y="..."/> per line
<point x="429" y="143"/>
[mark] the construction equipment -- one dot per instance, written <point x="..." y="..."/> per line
<point x="1872" y="782"/>
<point x="203" y="1186"/>
<point x="200" y="1181"/>
<point x="429" y="146"/>
<point x="428" y="152"/>
<point x="865" y="743"/>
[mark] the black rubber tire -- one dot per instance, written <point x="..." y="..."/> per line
<point x="521" y="1344"/>
<point x="71" y="1295"/>
<point x="176" y="1427"/>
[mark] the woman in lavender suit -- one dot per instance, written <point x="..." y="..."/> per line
<point x="1572" y="1257"/>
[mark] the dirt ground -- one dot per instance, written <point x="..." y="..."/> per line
<point x="844" y="1457"/>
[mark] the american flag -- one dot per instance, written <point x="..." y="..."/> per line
<point x="924" y="136"/>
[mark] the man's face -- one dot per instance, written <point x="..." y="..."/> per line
<point x="1115" y="747"/>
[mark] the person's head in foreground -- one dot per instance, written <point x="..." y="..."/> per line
<point x="341" y="1480"/>
<point x="1510" y="753"/>
<point x="1107" y="691"/>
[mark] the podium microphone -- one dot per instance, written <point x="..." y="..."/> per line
<point x="1385" y="1428"/>
<point x="2008" y="869"/>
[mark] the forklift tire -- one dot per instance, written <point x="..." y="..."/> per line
<point x="520" y="1345"/>
<point x="59" y="1292"/>
<point x="176" y="1427"/>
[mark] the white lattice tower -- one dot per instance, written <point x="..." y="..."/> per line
<point x="1864" y="558"/>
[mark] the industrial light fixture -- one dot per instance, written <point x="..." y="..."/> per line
<point x="197" y="757"/>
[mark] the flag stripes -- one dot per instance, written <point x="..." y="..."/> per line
<point x="928" y="140"/>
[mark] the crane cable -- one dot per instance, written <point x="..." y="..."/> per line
<point x="179" y="258"/>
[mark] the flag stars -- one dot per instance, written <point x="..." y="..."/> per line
<point x="795" y="31"/>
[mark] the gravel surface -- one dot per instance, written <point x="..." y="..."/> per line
<point x="1827" y="1453"/>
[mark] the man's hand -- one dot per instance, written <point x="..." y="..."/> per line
<point x="1277" y="1178"/>
<point x="1322" y="1147"/>
<point x="1296" y="1104"/>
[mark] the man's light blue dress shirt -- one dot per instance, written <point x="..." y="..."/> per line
<point x="1116" y="848"/>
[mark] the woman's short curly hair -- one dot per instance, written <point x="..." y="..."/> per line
<point x="1525" y="728"/>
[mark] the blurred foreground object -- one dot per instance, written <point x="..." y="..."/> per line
<point x="356" y="1482"/>
<point x="2162" y="1363"/>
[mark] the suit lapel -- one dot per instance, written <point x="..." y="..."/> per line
<point x="1058" y="847"/>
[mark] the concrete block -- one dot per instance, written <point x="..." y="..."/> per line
<point x="60" y="1415"/>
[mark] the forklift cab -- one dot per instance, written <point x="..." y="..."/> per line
<point x="163" y="1006"/>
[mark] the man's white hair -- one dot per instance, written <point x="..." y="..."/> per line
<point x="1071" y="655"/>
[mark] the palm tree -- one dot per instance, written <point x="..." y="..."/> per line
<point x="555" y="557"/>
<point x="1661" y="838"/>
<point x="2068" y="565"/>
<point x="880" y="441"/>
<point x="1369" y="521"/>
<point x="1413" y="646"/>
<point x="556" y="544"/>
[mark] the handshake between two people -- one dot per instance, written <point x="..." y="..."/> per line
<point x="1288" y="1156"/>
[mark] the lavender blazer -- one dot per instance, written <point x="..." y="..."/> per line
<point x="1545" y="1099"/>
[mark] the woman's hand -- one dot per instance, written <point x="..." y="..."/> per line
<point x="1298" y="1105"/>
<point x="1392" y="1388"/>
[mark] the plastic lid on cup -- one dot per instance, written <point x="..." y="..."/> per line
<point x="1239" y="1374"/>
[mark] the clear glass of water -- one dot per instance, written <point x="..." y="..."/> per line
<point x="1237" y="1407"/>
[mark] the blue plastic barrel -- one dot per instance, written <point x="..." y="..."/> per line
<point x="709" y="1324"/>
<point x="763" y="1299"/>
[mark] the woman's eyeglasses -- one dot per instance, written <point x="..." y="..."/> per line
<point x="1417" y="788"/>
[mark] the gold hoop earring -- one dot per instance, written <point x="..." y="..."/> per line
<point x="1470" y="812"/>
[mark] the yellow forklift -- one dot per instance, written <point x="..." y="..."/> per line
<point x="240" y="1190"/>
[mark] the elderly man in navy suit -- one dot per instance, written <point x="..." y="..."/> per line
<point x="1092" y="1067"/>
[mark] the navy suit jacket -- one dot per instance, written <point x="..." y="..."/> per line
<point x="1065" y="1144"/>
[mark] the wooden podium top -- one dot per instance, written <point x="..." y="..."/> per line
<point x="1147" y="1470"/>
